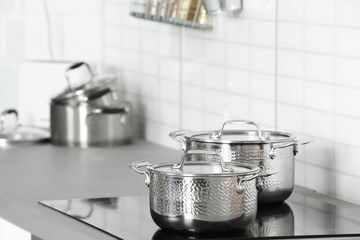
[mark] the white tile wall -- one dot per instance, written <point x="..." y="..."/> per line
<point x="8" y="83"/>
<point x="289" y="64"/>
<point x="347" y="71"/>
<point x="320" y="11"/>
<point x="346" y="14"/>
<point x="318" y="89"/>
<point x="319" y="67"/>
<point x="28" y="32"/>
<point x="237" y="81"/>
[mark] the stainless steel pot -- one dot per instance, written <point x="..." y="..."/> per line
<point x="85" y="125"/>
<point x="273" y="152"/>
<point x="201" y="196"/>
<point x="90" y="114"/>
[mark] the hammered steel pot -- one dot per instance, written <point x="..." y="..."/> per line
<point x="272" y="151"/>
<point x="201" y="196"/>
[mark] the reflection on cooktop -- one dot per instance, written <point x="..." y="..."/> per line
<point x="301" y="216"/>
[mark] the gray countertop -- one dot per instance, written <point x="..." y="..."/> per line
<point x="45" y="172"/>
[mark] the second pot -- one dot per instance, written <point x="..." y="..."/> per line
<point x="85" y="125"/>
<point x="273" y="152"/>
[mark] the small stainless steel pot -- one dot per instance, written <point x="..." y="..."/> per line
<point x="84" y="125"/>
<point x="272" y="151"/>
<point x="201" y="196"/>
<point x="90" y="114"/>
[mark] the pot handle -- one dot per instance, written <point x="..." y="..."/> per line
<point x="260" y="179"/>
<point x="136" y="165"/>
<point x="108" y="110"/>
<point x="3" y="118"/>
<point x="240" y="182"/>
<point x="179" y="137"/>
<point x="219" y="134"/>
<point x="191" y="152"/>
<point x="273" y="154"/>
<point x="75" y="66"/>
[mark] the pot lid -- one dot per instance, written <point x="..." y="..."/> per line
<point x="24" y="135"/>
<point x="234" y="136"/>
<point x="204" y="168"/>
<point x="97" y="86"/>
<point x="238" y="136"/>
<point x="20" y="134"/>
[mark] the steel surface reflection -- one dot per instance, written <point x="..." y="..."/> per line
<point x="273" y="220"/>
<point x="172" y="235"/>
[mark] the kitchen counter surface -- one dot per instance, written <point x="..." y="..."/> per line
<point x="45" y="172"/>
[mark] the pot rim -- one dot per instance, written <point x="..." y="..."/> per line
<point x="252" y="169"/>
<point x="286" y="137"/>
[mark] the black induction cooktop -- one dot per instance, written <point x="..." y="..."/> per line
<point x="305" y="214"/>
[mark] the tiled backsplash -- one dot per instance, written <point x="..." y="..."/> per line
<point x="290" y="65"/>
<point x="318" y="88"/>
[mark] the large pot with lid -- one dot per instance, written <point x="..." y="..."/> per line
<point x="90" y="114"/>
<point x="272" y="151"/>
<point x="200" y="196"/>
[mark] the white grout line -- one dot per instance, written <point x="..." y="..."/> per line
<point x="102" y="37"/>
<point x="326" y="168"/>
<point x="318" y="110"/>
<point x="304" y="93"/>
<point x="321" y="24"/>
<point x="333" y="100"/>
<point x="319" y="81"/>
<point x="180" y="81"/>
<point x="319" y="53"/>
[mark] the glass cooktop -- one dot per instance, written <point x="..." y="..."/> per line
<point x="303" y="215"/>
